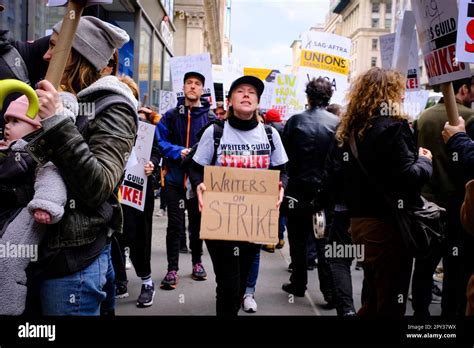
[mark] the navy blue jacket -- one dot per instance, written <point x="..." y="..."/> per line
<point x="463" y="146"/>
<point x="172" y="132"/>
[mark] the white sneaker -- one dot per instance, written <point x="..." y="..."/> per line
<point x="161" y="213"/>
<point x="248" y="304"/>
<point x="128" y="264"/>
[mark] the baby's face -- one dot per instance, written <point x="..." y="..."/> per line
<point x="16" y="129"/>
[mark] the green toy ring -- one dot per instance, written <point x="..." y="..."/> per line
<point x="10" y="86"/>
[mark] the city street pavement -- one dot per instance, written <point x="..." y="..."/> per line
<point x="198" y="297"/>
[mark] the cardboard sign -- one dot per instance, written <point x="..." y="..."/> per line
<point x="326" y="55"/>
<point x="200" y="63"/>
<point x="436" y="22"/>
<point x="240" y="205"/>
<point x="133" y="188"/>
<point x="465" y="35"/>
<point x="387" y="45"/>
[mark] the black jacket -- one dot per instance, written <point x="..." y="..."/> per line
<point x="32" y="54"/>
<point x="389" y="154"/>
<point x="307" y="138"/>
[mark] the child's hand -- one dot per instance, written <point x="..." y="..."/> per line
<point x="42" y="216"/>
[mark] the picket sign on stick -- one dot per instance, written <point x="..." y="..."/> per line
<point x="450" y="103"/>
<point x="64" y="44"/>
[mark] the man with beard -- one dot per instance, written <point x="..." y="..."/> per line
<point x="445" y="188"/>
<point x="176" y="133"/>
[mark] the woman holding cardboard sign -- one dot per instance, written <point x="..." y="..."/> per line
<point x="242" y="134"/>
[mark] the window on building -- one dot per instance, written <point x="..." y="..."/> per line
<point x="388" y="23"/>
<point x="166" y="72"/>
<point x="374" y="43"/>
<point x="375" y="7"/>
<point x="373" y="62"/>
<point x="388" y="7"/>
<point x="144" y="66"/>
<point x="156" y="72"/>
<point x="375" y="22"/>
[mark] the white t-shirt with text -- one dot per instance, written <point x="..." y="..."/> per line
<point x="241" y="149"/>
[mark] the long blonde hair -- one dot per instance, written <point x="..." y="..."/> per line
<point x="371" y="93"/>
<point x="79" y="74"/>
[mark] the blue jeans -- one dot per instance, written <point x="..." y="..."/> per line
<point x="281" y="227"/>
<point x="80" y="293"/>
<point x="253" y="274"/>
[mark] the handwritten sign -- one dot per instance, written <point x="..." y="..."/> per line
<point x="288" y="95"/>
<point x="200" y="63"/>
<point x="133" y="188"/>
<point x="436" y="22"/>
<point x="387" y="45"/>
<point x="167" y="101"/>
<point x="240" y="204"/>
<point x="326" y="55"/>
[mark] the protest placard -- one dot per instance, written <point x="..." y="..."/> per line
<point x="403" y="42"/>
<point x="465" y="33"/>
<point x="436" y="22"/>
<point x="288" y="95"/>
<point x="200" y="63"/>
<point x="167" y="101"/>
<point x="326" y="55"/>
<point x="133" y="187"/>
<point x="240" y="204"/>
<point x="387" y="45"/>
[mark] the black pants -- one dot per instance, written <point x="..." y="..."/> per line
<point x="300" y="225"/>
<point x="231" y="262"/>
<point x="177" y="204"/>
<point x="341" y="267"/>
<point x="457" y="264"/>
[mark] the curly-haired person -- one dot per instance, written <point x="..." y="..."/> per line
<point x="395" y="168"/>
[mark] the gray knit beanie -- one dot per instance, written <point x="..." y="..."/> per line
<point x="96" y="40"/>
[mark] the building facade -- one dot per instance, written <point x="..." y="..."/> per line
<point x="200" y="28"/>
<point x="159" y="30"/>
<point x="363" y="21"/>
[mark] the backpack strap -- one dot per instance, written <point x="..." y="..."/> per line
<point x="269" y="131"/>
<point x="17" y="65"/>
<point x="218" y="132"/>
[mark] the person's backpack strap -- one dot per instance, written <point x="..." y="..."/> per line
<point x="269" y="131"/>
<point x="218" y="132"/>
<point x="17" y="65"/>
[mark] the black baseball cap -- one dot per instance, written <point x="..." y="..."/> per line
<point x="194" y="74"/>
<point x="250" y="80"/>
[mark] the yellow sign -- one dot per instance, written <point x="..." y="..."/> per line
<point x="262" y="74"/>
<point x="324" y="61"/>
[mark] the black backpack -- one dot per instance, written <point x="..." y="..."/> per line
<point x="218" y="132"/>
